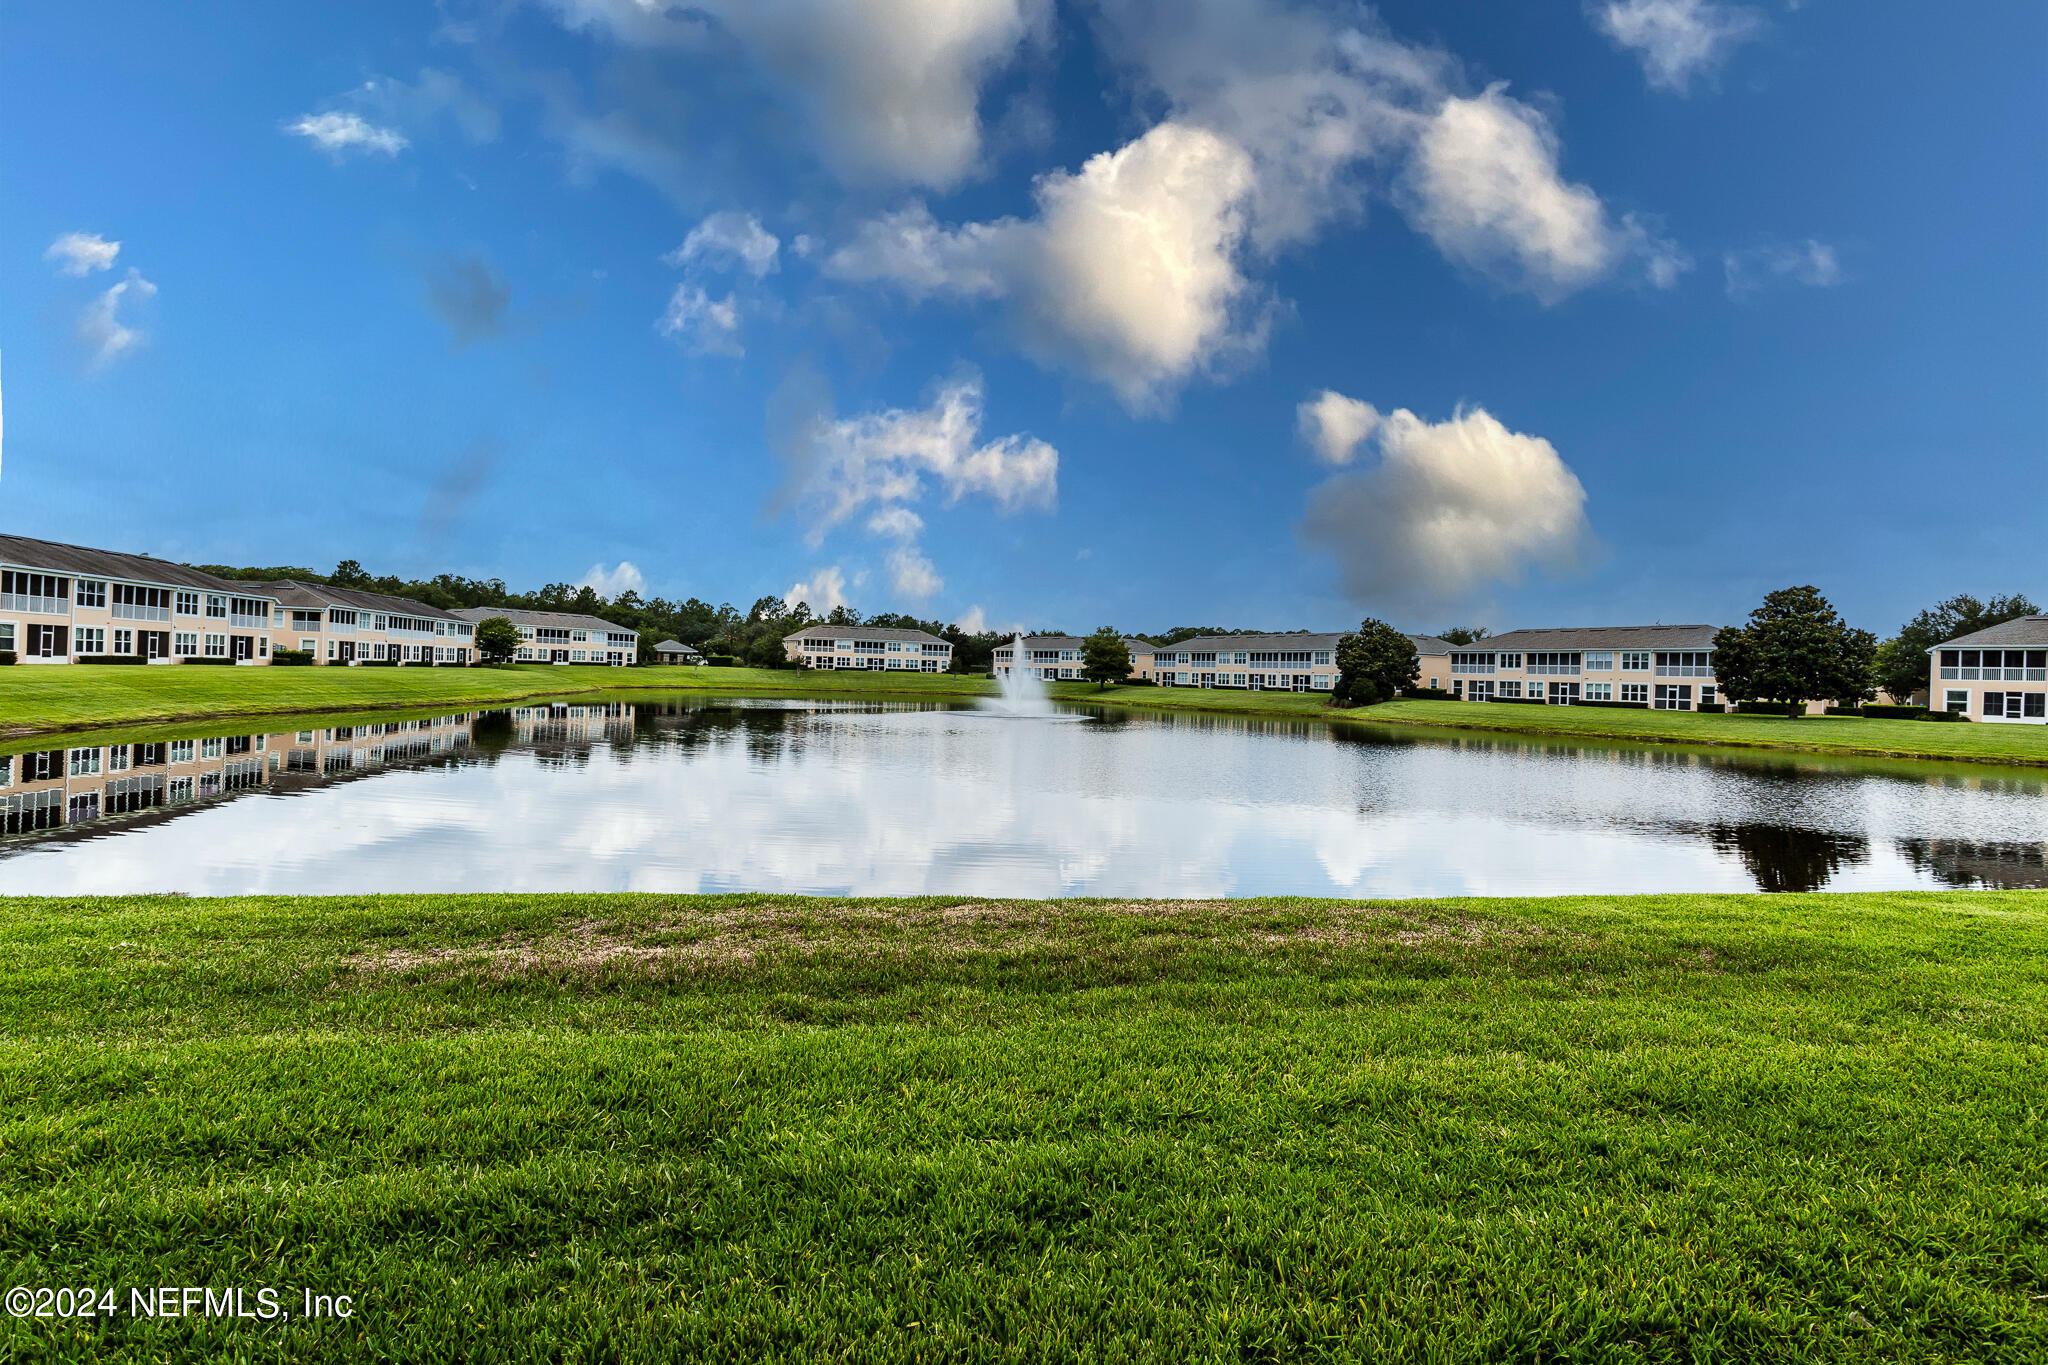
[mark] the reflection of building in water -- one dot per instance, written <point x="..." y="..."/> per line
<point x="51" y="788"/>
<point x="1973" y="862"/>
<point x="561" y="723"/>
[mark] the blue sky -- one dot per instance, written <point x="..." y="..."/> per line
<point x="1013" y="311"/>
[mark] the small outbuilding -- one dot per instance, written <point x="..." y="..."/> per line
<point x="675" y="652"/>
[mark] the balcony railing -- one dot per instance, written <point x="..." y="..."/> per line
<point x="1554" y="670"/>
<point x="21" y="601"/>
<point x="131" y="611"/>
<point x="1685" y="670"/>
<point x="245" y="621"/>
<point x="1994" y="674"/>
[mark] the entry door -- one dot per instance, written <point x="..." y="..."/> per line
<point x="244" y="647"/>
<point x="156" y="644"/>
<point x="47" y="642"/>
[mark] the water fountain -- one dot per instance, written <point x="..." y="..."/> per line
<point x="1023" y="691"/>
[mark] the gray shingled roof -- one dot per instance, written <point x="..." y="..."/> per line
<point x="2022" y="632"/>
<point x="675" y="647"/>
<point x="862" y="633"/>
<point x="309" y="595"/>
<point x="1429" y="644"/>
<point x="1263" y="643"/>
<point x="553" y="620"/>
<point x="1599" y="637"/>
<point x="54" y="556"/>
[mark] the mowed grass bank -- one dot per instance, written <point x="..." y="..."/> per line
<point x="36" y="699"/>
<point x="572" y="1128"/>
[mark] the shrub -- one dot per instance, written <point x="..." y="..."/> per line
<point x="207" y="663"/>
<point x="1712" y="708"/>
<point x="1520" y="701"/>
<point x="1614" y="705"/>
<point x="376" y="663"/>
<point x="1790" y="710"/>
<point x="1938" y="715"/>
<point x="1843" y="711"/>
<point x="109" y="659"/>
<point x="291" y="658"/>
<point x="721" y="661"/>
<point x="1428" y="694"/>
<point x="1899" y="712"/>
<point x="7" y="657"/>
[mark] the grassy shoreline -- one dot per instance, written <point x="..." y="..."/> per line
<point x="64" y="700"/>
<point x="1797" y="1128"/>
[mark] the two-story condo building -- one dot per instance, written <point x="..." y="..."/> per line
<point x="1297" y="662"/>
<point x="1051" y="657"/>
<point x="561" y="637"/>
<point x="1141" y="657"/>
<point x="59" y="603"/>
<point x="1999" y="673"/>
<point x="1664" y="668"/>
<point x="881" y="647"/>
<point x="347" y="625"/>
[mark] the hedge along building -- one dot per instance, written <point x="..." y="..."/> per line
<point x="562" y="637"/>
<point x="61" y="603"/>
<point x="348" y="626"/>
<point x="1296" y="662"/>
<point x="879" y="647"/>
<point x="1999" y="673"/>
<point x="1663" y="668"/>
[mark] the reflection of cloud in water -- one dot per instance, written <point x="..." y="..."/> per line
<point x="859" y="800"/>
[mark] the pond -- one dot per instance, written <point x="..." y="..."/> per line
<point x="695" y="795"/>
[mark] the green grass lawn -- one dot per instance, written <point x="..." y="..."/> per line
<point x="43" y="698"/>
<point x="1686" y="1128"/>
<point x="40" y="699"/>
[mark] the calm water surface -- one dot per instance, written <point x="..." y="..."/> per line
<point x="848" y="798"/>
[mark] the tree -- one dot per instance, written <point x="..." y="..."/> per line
<point x="497" y="639"/>
<point x="1902" y="660"/>
<point x="1373" y="664"/>
<point x="1463" y="635"/>
<point x="348" y="574"/>
<point x="1105" y="658"/>
<point x="1795" y="649"/>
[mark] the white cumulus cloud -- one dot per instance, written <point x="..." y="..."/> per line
<point x="729" y="239"/>
<point x="1128" y="272"/>
<point x="704" y="325"/>
<point x="102" y="328"/>
<point x="1334" y="425"/>
<point x="1677" y="40"/>
<point x="973" y="621"/>
<point x="611" y="582"/>
<point x="1484" y="185"/>
<point x="338" y="132"/>
<point x="81" y="253"/>
<point x="912" y="574"/>
<point x="889" y="89"/>
<point x="1448" y="507"/>
<point x="823" y="591"/>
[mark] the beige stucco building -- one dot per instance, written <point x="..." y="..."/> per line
<point x="60" y="603"/>
<point x="887" y="648"/>
<point x="1997" y="674"/>
<point x="347" y="625"/>
<point x="561" y="637"/>
<point x="1296" y="662"/>
<point x="1663" y="668"/>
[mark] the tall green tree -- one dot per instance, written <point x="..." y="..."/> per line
<point x="1796" y="648"/>
<point x="1902" y="660"/>
<point x="497" y="639"/>
<point x="1105" y="658"/>
<point x="1373" y="664"/>
<point x="1463" y="635"/>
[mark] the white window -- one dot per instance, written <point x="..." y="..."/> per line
<point x="188" y="604"/>
<point x="1598" y="691"/>
<point x="1600" y="659"/>
<point x="1707" y="697"/>
<point x="117" y="758"/>
<point x="1508" y="688"/>
<point x="216" y="646"/>
<point x="1635" y="661"/>
<point x="178" y="789"/>
<point x="212" y="748"/>
<point x="88" y="640"/>
<point x="91" y="592"/>
<point x="181" y="750"/>
<point x="216" y="605"/>
<point x="7" y="636"/>
<point x="1511" y="660"/>
<point x="85" y="762"/>
<point x="124" y="642"/>
<point x="1956" y="700"/>
<point x="1637" y="692"/>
